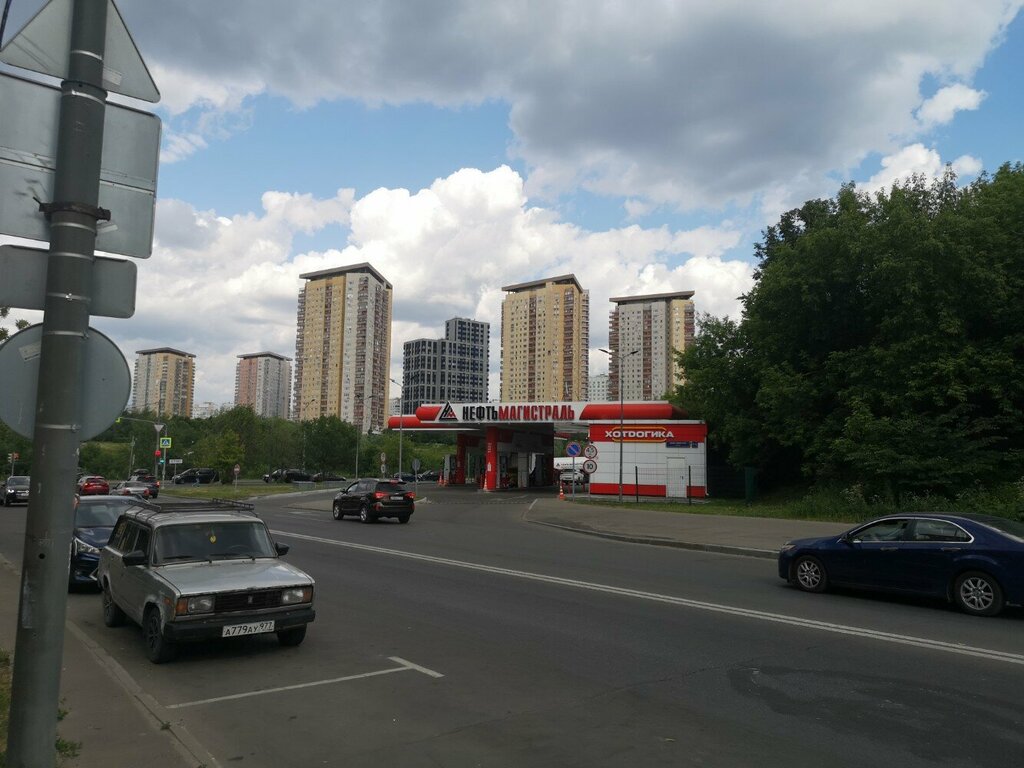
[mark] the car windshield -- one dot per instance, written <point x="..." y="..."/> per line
<point x="17" y="481"/>
<point x="1012" y="528"/>
<point x="212" y="541"/>
<point x="98" y="514"/>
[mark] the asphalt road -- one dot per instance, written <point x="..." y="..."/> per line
<point x="470" y="637"/>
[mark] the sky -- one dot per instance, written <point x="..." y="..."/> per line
<point x="461" y="146"/>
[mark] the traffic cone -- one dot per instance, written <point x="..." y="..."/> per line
<point x="561" y="492"/>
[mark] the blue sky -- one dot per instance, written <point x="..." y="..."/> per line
<point x="460" y="146"/>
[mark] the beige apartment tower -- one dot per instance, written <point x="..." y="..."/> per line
<point x="644" y="333"/>
<point x="343" y="346"/>
<point x="164" y="382"/>
<point x="263" y="381"/>
<point x="545" y="336"/>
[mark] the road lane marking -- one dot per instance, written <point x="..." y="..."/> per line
<point x="777" y="618"/>
<point x="405" y="666"/>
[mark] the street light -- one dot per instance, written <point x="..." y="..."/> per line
<point x="622" y="407"/>
<point x="401" y="420"/>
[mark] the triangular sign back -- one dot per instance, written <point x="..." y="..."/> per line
<point x="42" y="46"/>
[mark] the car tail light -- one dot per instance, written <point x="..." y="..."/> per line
<point x="410" y="495"/>
<point x="379" y="495"/>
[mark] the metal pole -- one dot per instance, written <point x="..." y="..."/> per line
<point x="401" y="423"/>
<point x="35" y="689"/>
<point x="622" y="422"/>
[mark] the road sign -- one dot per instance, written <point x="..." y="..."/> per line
<point x="28" y="160"/>
<point x="175" y="461"/>
<point x="572" y="449"/>
<point x="165" y="442"/>
<point x="42" y="46"/>
<point x="237" y="470"/>
<point x="590" y="451"/>
<point x="383" y="458"/>
<point x="24" y="283"/>
<point x="105" y="386"/>
<point x="416" y="465"/>
<point x="590" y="466"/>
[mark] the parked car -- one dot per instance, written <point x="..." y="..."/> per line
<point x="373" y="499"/>
<point x="196" y="476"/>
<point x="201" y="572"/>
<point x="94" y="520"/>
<point x="150" y="480"/>
<point x="327" y="477"/>
<point x="131" y="488"/>
<point x="974" y="561"/>
<point x="287" y="476"/>
<point x="14" y="489"/>
<point x="431" y="475"/>
<point x="93" y="485"/>
<point x="576" y="478"/>
<point x="405" y="477"/>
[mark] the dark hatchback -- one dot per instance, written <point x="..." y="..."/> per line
<point x="94" y="520"/>
<point x="973" y="561"/>
<point x="14" y="490"/>
<point x="373" y="498"/>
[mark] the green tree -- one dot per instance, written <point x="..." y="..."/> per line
<point x="882" y="341"/>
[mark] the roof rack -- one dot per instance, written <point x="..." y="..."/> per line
<point x="204" y="505"/>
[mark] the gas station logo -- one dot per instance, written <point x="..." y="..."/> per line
<point x="447" y="413"/>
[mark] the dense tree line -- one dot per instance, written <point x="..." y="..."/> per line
<point x="882" y="342"/>
<point x="238" y="436"/>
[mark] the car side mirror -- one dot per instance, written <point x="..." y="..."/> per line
<point x="282" y="549"/>
<point x="135" y="557"/>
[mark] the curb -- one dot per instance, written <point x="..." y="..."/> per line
<point x="721" y="549"/>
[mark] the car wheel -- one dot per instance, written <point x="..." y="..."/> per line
<point x="292" y="637"/>
<point x="978" y="594"/>
<point x="158" y="648"/>
<point x="809" y="574"/>
<point x="403" y="519"/>
<point x="364" y="513"/>
<point x="338" y="514"/>
<point x="113" y="616"/>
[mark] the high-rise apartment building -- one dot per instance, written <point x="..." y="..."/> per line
<point x="545" y="335"/>
<point x="450" y="369"/>
<point x="343" y="346"/>
<point x="263" y="381"/>
<point x="164" y="382"/>
<point x="597" y="388"/>
<point x="644" y="334"/>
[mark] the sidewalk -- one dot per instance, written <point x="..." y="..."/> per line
<point x="108" y="716"/>
<point x="749" y="536"/>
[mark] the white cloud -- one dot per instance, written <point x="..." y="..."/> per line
<point x="920" y="160"/>
<point x="219" y="287"/>
<point x="694" y="105"/>
<point x="943" y="106"/>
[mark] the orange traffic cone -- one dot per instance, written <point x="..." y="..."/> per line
<point x="561" y="492"/>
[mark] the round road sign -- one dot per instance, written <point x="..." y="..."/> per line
<point x="572" y="449"/>
<point x="590" y="466"/>
<point x="106" y="382"/>
<point x="590" y="451"/>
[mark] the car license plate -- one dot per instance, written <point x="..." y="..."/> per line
<point x="253" y="628"/>
<point x="398" y="498"/>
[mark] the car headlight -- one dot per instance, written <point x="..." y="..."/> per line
<point x="296" y="595"/>
<point x="84" y="548"/>
<point x="786" y="547"/>
<point x="198" y="604"/>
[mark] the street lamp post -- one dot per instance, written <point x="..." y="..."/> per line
<point x="622" y="408"/>
<point x="401" y="420"/>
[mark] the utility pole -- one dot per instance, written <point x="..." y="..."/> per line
<point x="73" y="213"/>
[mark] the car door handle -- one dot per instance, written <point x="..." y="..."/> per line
<point x="952" y="549"/>
<point x="889" y="549"/>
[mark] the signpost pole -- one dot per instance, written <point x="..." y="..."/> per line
<point x="73" y="213"/>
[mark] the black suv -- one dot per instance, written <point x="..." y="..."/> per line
<point x="196" y="476"/>
<point x="287" y="476"/>
<point x="372" y="499"/>
<point x="14" y="489"/>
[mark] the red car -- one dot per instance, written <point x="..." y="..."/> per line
<point x="93" y="485"/>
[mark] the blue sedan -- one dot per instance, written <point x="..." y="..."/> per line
<point x="94" y="521"/>
<point x="974" y="561"/>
